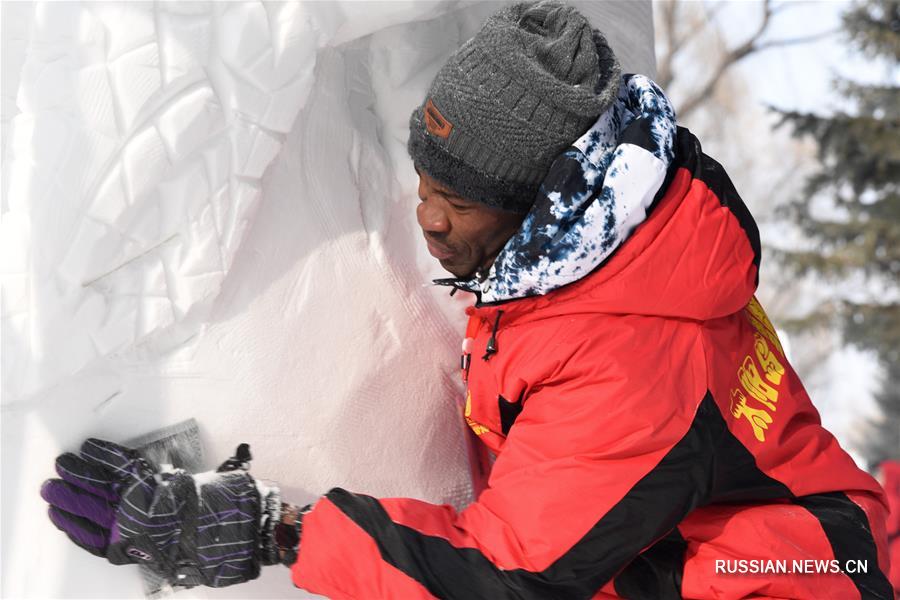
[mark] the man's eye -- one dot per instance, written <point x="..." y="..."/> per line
<point x="451" y="200"/>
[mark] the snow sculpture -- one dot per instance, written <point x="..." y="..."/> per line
<point x="208" y="211"/>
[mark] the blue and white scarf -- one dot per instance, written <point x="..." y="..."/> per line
<point x="593" y="197"/>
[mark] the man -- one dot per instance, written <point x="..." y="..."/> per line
<point x="651" y="439"/>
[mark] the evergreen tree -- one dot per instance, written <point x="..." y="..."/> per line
<point x="858" y="237"/>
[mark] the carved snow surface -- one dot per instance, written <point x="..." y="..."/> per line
<point x="136" y="162"/>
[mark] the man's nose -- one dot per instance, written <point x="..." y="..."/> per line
<point x="432" y="217"/>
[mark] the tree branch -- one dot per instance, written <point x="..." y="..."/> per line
<point x="673" y="42"/>
<point x="728" y="59"/>
<point x="750" y="46"/>
<point x="797" y="40"/>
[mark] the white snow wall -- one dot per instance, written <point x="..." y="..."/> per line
<point x="208" y="211"/>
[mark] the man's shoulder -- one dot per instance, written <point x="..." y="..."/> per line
<point x="602" y="345"/>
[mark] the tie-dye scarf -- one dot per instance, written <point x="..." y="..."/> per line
<point x="592" y="198"/>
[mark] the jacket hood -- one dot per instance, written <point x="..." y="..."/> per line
<point x="631" y="219"/>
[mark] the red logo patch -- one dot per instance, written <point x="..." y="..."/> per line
<point x="435" y="122"/>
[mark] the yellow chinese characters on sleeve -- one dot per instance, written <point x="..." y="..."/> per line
<point x="759" y="375"/>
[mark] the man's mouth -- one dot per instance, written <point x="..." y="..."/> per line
<point x="438" y="251"/>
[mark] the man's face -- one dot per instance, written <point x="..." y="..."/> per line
<point x="464" y="235"/>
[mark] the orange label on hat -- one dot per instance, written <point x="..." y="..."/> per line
<point x="435" y="122"/>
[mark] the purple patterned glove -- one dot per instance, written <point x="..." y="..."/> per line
<point x="211" y="529"/>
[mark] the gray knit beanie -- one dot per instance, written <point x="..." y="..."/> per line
<point x="510" y="100"/>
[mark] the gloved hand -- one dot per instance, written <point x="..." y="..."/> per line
<point x="214" y="529"/>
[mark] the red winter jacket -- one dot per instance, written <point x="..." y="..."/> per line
<point x="649" y="436"/>
<point x="890" y="474"/>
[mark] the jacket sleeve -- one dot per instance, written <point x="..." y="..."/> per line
<point x="602" y="461"/>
